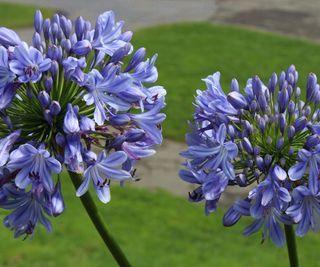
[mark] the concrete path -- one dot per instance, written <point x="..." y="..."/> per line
<point x="292" y="17"/>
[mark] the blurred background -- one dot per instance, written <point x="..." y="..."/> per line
<point x="152" y="218"/>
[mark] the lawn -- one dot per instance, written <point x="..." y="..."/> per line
<point x="155" y="229"/>
<point x="190" y="52"/>
<point x="20" y="15"/>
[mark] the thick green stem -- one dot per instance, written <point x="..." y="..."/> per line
<point x="95" y="217"/>
<point x="291" y="245"/>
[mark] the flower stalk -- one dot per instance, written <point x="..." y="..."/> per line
<point x="96" y="219"/>
<point x="291" y="245"/>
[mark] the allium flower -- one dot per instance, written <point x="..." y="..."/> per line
<point x="266" y="136"/>
<point x="63" y="99"/>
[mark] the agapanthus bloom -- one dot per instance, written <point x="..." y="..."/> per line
<point x="64" y="99"/>
<point x="265" y="137"/>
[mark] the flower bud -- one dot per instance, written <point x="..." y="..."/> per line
<point x="119" y="54"/>
<point x="57" y="202"/>
<point x="47" y="116"/>
<point x="262" y="125"/>
<point x="79" y="27"/>
<point x="9" y="37"/>
<point x="54" y="52"/>
<point x="126" y="36"/>
<point x="119" y="119"/>
<point x="283" y="100"/>
<point x="66" y="45"/>
<point x="312" y="141"/>
<point x="311" y="87"/>
<point x="54" y="31"/>
<point x="247" y="145"/>
<point x="48" y="82"/>
<point x="134" y="135"/>
<point x="231" y="217"/>
<point x="253" y="106"/>
<point x="280" y="143"/>
<point x="260" y="163"/>
<point x="282" y="80"/>
<point x="267" y="160"/>
<point x="136" y="59"/>
<point x="241" y="180"/>
<point x="55" y="108"/>
<point x="237" y="100"/>
<point x="54" y="69"/>
<point x="60" y="139"/>
<point x="36" y="41"/>
<point x="298" y="92"/>
<point x="44" y="98"/>
<point x="291" y="132"/>
<point x="272" y="83"/>
<point x="231" y="131"/>
<point x="256" y="150"/>
<point x="234" y="85"/>
<point x="291" y="108"/>
<point x="307" y="111"/>
<point x="56" y="19"/>
<point x="38" y="20"/>
<point x="263" y="102"/>
<point x="300" y="123"/>
<point x="87" y="124"/>
<point x="66" y="26"/>
<point x="82" y="48"/>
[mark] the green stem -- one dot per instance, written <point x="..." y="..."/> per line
<point x="96" y="219"/>
<point x="291" y="245"/>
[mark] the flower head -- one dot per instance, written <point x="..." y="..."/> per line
<point x="66" y="95"/>
<point x="265" y="136"/>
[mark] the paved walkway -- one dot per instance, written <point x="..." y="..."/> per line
<point x="293" y="17"/>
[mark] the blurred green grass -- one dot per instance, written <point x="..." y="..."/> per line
<point x="155" y="229"/>
<point x="189" y="52"/>
<point x="14" y="15"/>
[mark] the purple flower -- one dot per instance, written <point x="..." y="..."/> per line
<point x="104" y="169"/>
<point x="307" y="159"/>
<point x="29" y="208"/>
<point x="6" y="145"/>
<point x="305" y="210"/>
<point x="149" y="121"/>
<point x="28" y="64"/>
<point x="107" y="34"/>
<point x="6" y="76"/>
<point x="9" y="37"/>
<point x="102" y="92"/>
<point x="217" y="154"/>
<point x="33" y="164"/>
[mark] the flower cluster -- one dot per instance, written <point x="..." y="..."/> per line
<point x="267" y="138"/>
<point x="63" y="99"/>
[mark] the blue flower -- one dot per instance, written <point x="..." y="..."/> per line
<point x="311" y="159"/>
<point x="104" y="169"/>
<point x="212" y="185"/>
<point x="9" y="37"/>
<point x="216" y="154"/>
<point x="150" y="120"/>
<point x="107" y="34"/>
<point x="6" y="76"/>
<point x="305" y="210"/>
<point x="28" y="64"/>
<point x="102" y="92"/>
<point x="6" y="145"/>
<point x="33" y="164"/>
<point x="29" y="208"/>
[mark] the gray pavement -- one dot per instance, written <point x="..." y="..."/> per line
<point x="292" y="17"/>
